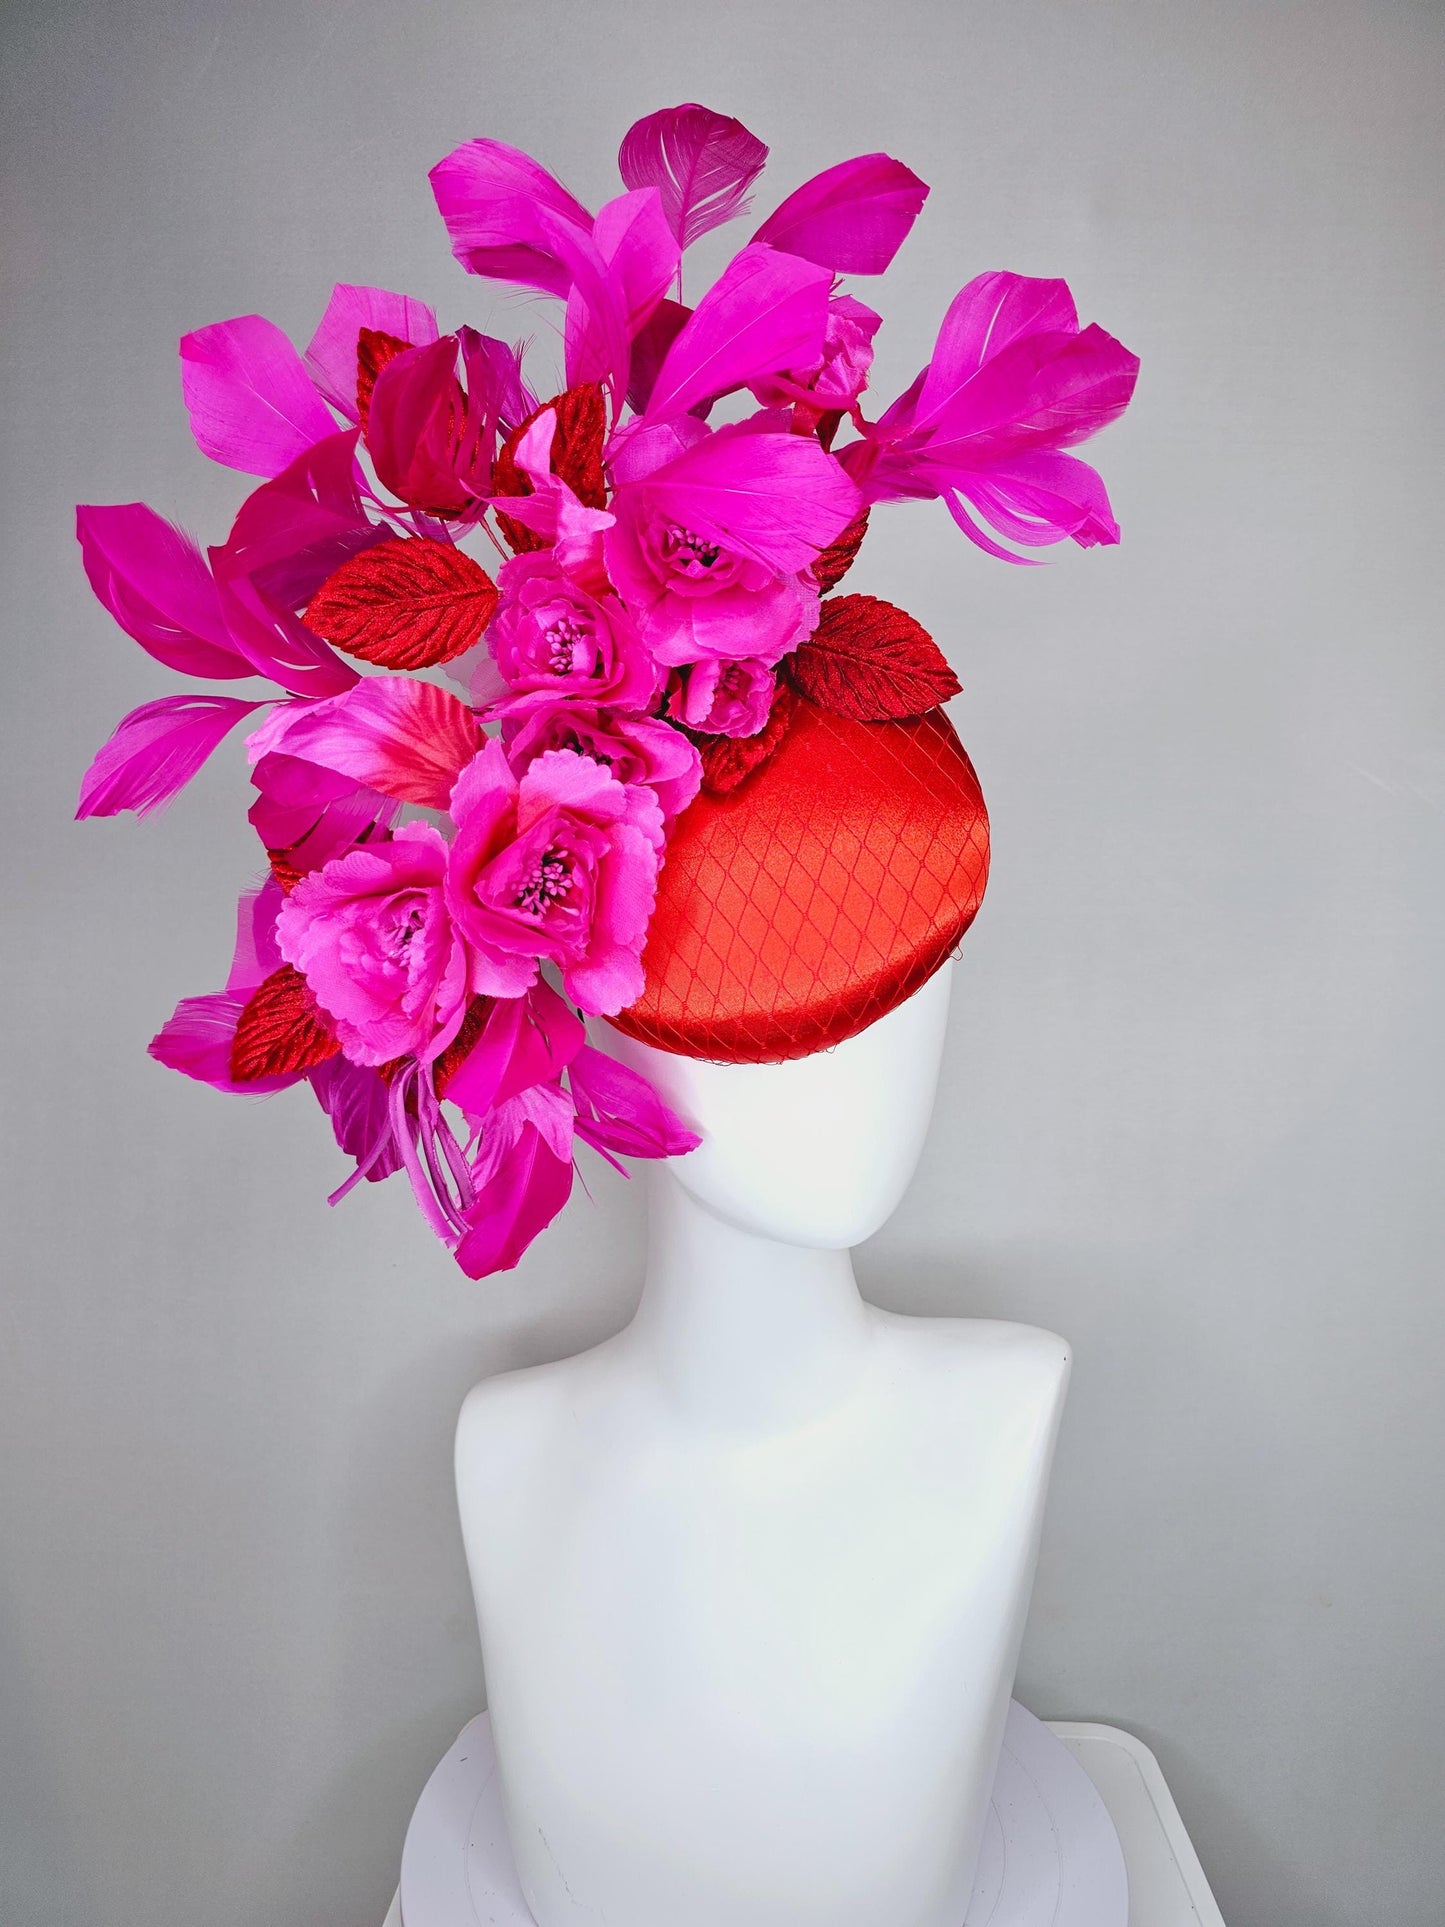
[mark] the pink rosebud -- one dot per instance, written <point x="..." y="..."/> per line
<point x="725" y="698"/>
<point x="636" y="749"/>
<point x="551" y="639"/>
<point x="559" y="865"/>
<point x="371" y="934"/>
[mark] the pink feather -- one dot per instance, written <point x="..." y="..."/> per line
<point x="409" y="739"/>
<point x="331" y="353"/>
<point x="701" y="163"/>
<point x="154" y="581"/>
<point x="494" y="200"/>
<point x="853" y="218"/>
<point x="777" y="497"/>
<point x="155" y="751"/>
<point x="251" y="402"/>
<point x="618" y="1111"/>
<point x="765" y="312"/>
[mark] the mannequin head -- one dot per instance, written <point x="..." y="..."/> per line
<point x="817" y="1150"/>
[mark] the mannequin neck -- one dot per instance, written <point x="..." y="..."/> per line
<point x="739" y="1328"/>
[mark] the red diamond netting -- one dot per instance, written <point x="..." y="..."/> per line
<point x="801" y="907"/>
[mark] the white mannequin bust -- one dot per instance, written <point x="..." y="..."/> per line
<point x="751" y="1576"/>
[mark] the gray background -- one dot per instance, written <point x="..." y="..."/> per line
<point x="1192" y="1109"/>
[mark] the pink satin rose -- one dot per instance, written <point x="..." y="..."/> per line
<point x="551" y="638"/>
<point x="636" y="749"/>
<point x="371" y="934"/>
<point x="695" y="598"/>
<point x="725" y="698"/>
<point x="560" y="865"/>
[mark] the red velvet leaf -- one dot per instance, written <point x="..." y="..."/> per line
<point x="408" y="604"/>
<point x="374" y="349"/>
<point x="836" y="560"/>
<point x="728" y="761"/>
<point x="576" y="457"/>
<point x="871" y="663"/>
<point x="281" y="1030"/>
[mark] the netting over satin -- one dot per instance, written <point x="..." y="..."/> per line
<point x="798" y="909"/>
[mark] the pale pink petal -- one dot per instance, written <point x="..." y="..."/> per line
<point x="331" y="353"/>
<point x="154" y="581"/>
<point x="407" y="738"/>
<point x="702" y="163"/>
<point x="765" y="312"/>
<point x="852" y="218"/>
<point x="251" y="402"/>
<point x="155" y="752"/>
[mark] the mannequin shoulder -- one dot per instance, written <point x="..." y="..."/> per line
<point x="950" y="1353"/>
<point x="509" y="1421"/>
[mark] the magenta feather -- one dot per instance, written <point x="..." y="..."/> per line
<point x="765" y="312"/>
<point x="155" y="751"/>
<point x="495" y="201"/>
<point x="154" y="581"/>
<point x="700" y="162"/>
<point x="250" y="399"/>
<point x="777" y="497"/>
<point x="852" y="218"/>
<point x="331" y="352"/>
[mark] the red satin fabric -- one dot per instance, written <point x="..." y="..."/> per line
<point x="800" y="908"/>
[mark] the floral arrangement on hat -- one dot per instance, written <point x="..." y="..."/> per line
<point x="458" y="875"/>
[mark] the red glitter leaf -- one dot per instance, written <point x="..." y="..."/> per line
<point x="871" y="663"/>
<point x="576" y="457"/>
<point x="281" y="1030"/>
<point x="374" y="349"/>
<point x="408" y="604"/>
<point x="728" y="761"/>
<point x="836" y="560"/>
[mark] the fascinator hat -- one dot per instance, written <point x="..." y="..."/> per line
<point x="564" y="711"/>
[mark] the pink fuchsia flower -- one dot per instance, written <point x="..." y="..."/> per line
<point x="636" y="749"/>
<point x="725" y="698"/>
<point x="551" y="638"/>
<point x="371" y="934"/>
<point x="559" y="865"/>
<point x="1013" y="381"/>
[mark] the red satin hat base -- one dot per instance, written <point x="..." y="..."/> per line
<point x="801" y="907"/>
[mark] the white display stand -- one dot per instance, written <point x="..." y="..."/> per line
<point x="1082" y="1832"/>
